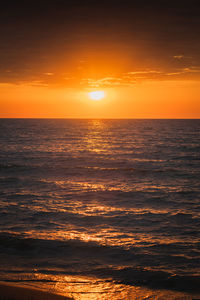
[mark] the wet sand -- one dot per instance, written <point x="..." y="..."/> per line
<point x="10" y="292"/>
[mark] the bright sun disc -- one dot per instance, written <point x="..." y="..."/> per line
<point x="97" y="95"/>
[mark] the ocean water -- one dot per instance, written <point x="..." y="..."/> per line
<point x="101" y="209"/>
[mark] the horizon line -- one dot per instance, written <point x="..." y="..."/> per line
<point x="66" y="118"/>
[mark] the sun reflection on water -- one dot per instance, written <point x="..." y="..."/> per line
<point x="94" y="288"/>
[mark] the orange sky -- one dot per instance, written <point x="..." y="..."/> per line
<point x="150" y="99"/>
<point x="145" y="56"/>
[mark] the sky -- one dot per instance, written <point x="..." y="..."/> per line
<point x="144" y="55"/>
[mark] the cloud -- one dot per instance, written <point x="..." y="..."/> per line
<point x="49" y="74"/>
<point x="38" y="83"/>
<point x="144" y="72"/>
<point x="106" y="82"/>
<point x="130" y="78"/>
<point x="174" y="73"/>
<point x="123" y="79"/>
<point x="178" y="56"/>
<point x="191" y="70"/>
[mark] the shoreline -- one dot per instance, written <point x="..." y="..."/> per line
<point x="15" y="292"/>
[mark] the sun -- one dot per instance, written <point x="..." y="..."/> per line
<point x="96" y="95"/>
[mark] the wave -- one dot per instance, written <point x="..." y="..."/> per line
<point x="140" y="266"/>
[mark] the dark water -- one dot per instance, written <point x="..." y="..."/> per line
<point x="101" y="209"/>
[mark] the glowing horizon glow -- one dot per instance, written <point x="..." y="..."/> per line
<point x="96" y="95"/>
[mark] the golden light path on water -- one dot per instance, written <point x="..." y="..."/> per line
<point x="93" y="288"/>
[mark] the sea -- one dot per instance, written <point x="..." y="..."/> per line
<point x="101" y="209"/>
